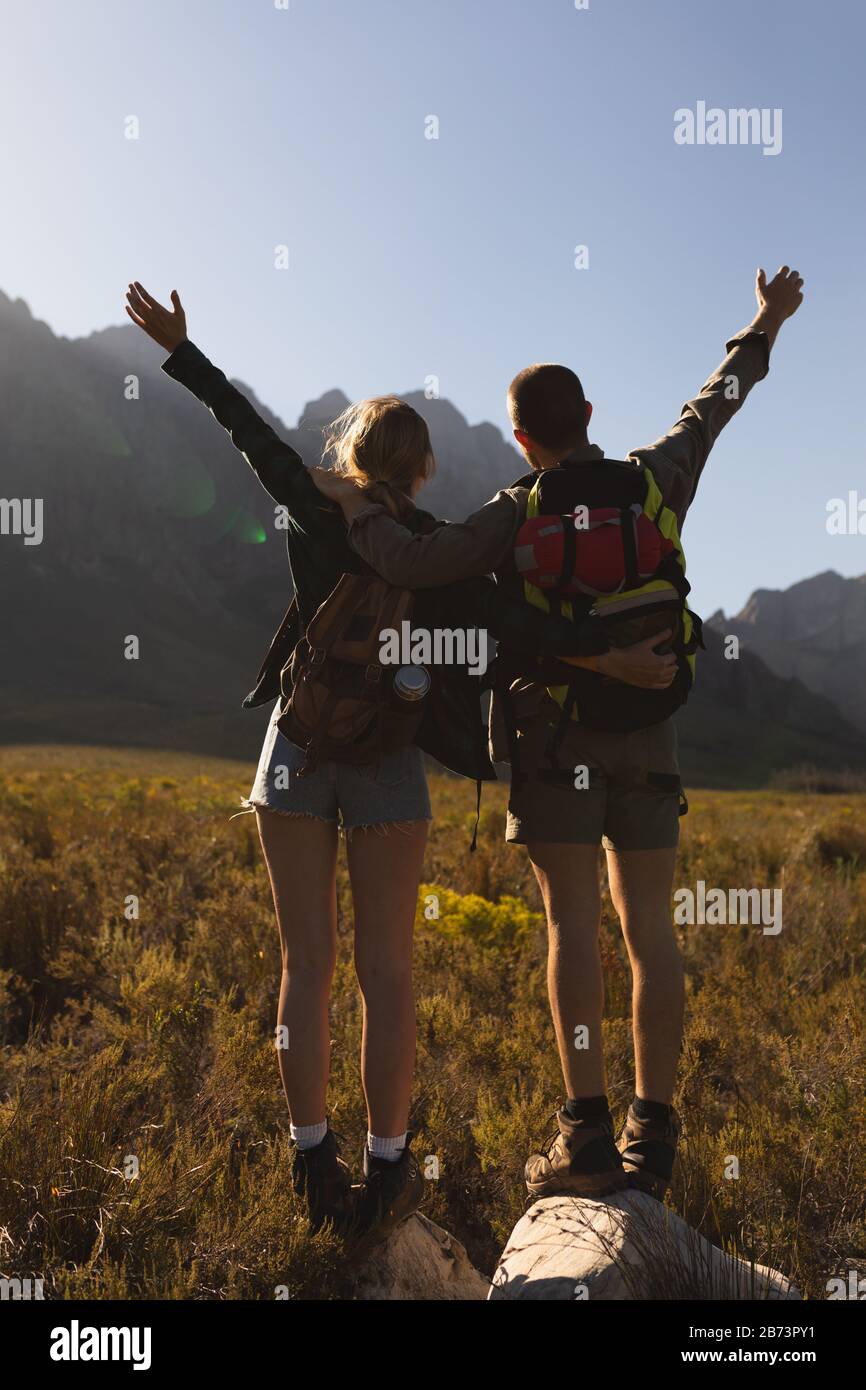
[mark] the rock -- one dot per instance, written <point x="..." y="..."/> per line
<point x="626" y="1247"/>
<point x="421" y="1261"/>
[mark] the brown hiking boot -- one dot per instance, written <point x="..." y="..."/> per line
<point x="582" y="1158"/>
<point x="648" y="1151"/>
<point x="321" y="1177"/>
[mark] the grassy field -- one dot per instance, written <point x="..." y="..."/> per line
<point x="147" y="1045"/>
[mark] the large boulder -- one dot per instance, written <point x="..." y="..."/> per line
<point x="421" y="1261"/>
<point x="628" y="1246"/>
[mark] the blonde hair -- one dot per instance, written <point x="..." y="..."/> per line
<point x="385" y="445"/>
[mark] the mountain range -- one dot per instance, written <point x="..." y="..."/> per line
<point x="815" y="632"/>
<point x="154" y="527"/>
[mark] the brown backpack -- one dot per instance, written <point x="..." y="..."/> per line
<point x="338" y="699"/>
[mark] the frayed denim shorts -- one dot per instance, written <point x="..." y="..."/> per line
<point x="391" y="791"/>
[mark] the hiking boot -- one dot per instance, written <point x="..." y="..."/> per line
<point x="321" y="1177"/>
<point x="389" y="1193"/>
<point x="581" y="1159"/>
<point x="648" y="1151"/>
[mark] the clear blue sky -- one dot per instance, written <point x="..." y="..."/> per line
<point x="411" y="257"/>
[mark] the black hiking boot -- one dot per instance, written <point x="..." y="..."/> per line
<point x="389" y="1194"/>
<point x="323" y="1180"/>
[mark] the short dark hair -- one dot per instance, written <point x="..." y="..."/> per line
<point x="547" y="403"/>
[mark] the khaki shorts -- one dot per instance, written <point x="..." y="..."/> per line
<point x="629" y="797"/>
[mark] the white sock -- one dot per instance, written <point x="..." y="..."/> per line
<point x="308" y="1136"/>
<point x="389" y="1149"/>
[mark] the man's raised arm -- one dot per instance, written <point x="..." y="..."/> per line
<point x="677" y="459"/>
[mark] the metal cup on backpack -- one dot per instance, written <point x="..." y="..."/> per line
<point x="411" y="683"/>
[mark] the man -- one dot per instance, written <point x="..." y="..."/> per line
<point x="637" y="822"/>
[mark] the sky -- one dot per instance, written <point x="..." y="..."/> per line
<point x="262" y="125"/>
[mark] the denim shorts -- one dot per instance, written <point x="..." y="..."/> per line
<point x="392" y="790"/>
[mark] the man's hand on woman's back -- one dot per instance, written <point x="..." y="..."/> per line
<point x="337" y="487"/>
<point x="639" y="664"/>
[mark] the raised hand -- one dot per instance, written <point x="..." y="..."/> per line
<point x="165" y="326"/>
<point x="783" y="295"/>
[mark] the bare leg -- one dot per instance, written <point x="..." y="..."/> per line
<point x="385" y="870"/>
<point x="640" y="885"/>
<point x="568" y="878"/>
<point x="301" y="855"/>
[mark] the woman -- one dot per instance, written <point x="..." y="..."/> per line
<point x="383" y="809"/>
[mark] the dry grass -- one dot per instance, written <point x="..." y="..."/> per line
<point x="152" y="1038"/>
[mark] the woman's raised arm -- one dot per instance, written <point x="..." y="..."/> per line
<point x="279" y="468"/>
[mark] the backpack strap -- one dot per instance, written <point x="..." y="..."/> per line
<point x="558" y="731"/>
<point x="311" y="755"/>
<point x="669" y="782"/>
<point x="697" y="638"/>
<point x="502" y="673"/>
<point x="504" y="691"/>
<point x="474" y="843"/>
<point x="629" y="547"/>
<point x="569" y="556"/>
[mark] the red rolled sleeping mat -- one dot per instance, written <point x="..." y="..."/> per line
<point x="596" y="562"/>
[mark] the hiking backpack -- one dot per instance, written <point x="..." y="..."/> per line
<point x="339" y="701"/>
<point x="599" y="545"/>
